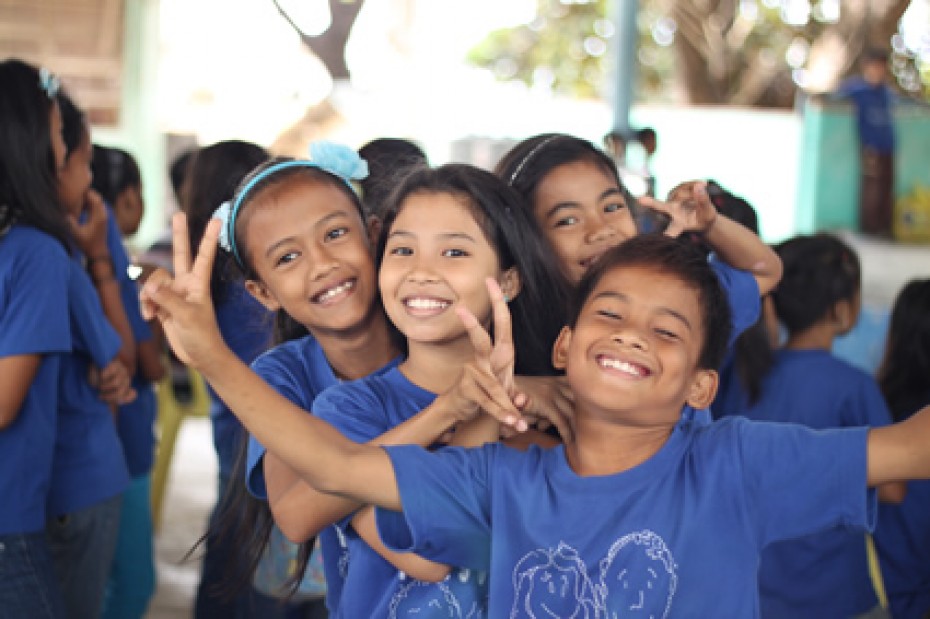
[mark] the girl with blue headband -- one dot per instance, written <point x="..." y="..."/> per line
<point x="312" y="266"/>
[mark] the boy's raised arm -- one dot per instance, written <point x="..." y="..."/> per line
<point x="901" y="451"/>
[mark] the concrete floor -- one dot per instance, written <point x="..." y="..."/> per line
<point x="191" y="490"/>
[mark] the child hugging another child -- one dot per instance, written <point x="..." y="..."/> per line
<point x="630" y="513"/>
<point x="297" y="231"/>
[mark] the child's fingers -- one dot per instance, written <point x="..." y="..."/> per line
<point x="503" y="329"/>
<point x="180" y="245"/>
<point x="206" y="253"/>
<point x="480" y="339"/>
<point x="158" y="278"/>
<point x="491" y="396"/>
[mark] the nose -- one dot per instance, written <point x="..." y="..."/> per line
<point x="323" y="262"/>
<point x="420" y="270"/>
<point x="631" y="337"/>
<point x="600" y="231"/>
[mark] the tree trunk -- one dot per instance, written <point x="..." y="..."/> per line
<point x="330" y="46"/>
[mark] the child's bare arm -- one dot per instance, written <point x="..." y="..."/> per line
<point x="409" y="563"/>
<point x="691" y="209"/>
<point x="901" y="451"/>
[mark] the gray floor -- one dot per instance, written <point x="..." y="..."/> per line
<point x="191" y="489"/>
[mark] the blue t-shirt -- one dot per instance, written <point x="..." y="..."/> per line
<point x="902" y="541"/>
<point x="135" y="422"/>
<point x="742" y="291"/>
<point x="33" y="321"/>
<point x="88" y="466"/>
<point x="247" y="327"/>
<point x="677" y="536"/>
<point x="362" y="410"/>
<point x="874" y="113"/>
<point x="826" y="574"/>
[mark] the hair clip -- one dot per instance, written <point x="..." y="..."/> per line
<point x="222" y="213"/>
<point x="49" y="83"/>
<point x="339" y="160"/>
<point x="529" y="156"/>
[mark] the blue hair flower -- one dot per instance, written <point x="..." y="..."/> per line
<point x="338" y="159"/>
<point x="222" y="213"/>
<point x="49" y="83"/>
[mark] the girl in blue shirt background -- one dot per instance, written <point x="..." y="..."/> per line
<point x="34" y="332"/>
<point x="903" y="537"/>
<point x="826" y="574"/>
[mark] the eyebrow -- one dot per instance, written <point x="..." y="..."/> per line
<point x="610" y="191"/>
<point x="452" y="236"/>
<point x="321" y="223"/>
<point x="619" y="296"/>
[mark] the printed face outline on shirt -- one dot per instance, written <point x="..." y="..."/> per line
<point x="582" y="214"/>
<point x="436" y="257"/>
<point x="552" y="583"/>
<point x="456" y="597"/>
<point x="310" y="248"/>
<point x="638" y="577"/>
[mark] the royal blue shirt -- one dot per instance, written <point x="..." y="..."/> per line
<point x="874" y="113"/>
<point x="677" y="536"/>
<point x="826" y="574"/>
<point x="247" y="327"/>
<point x="33" y="321"/>
<point x="88" y="466"/>
<point x="362" y="410"/>
<point x="135" y="422"/>
<point x="299" y="371"/>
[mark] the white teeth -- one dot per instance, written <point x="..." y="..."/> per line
<point x="623" y="366"/>
<point x="332" y="292"/>
<point x="426" y="304"/>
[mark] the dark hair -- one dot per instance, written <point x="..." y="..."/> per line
<point x="820" y="270"/>
<point x="213" y="174"/>
<point x="645" y="133"/>
<point x="539" y="309"/>
<point x="905" y="368"/>
<point x="388" y="160"/>
<point x="679" y="259"/>
<point x="28" y="174"/>
<point x="115" y="170"/>
<point x="875" y="54"/>
<point x="177" y="171"/>
<point x="525" y="165"/>
<point x="74" y="128"/>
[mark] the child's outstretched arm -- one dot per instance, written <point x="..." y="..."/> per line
<point x="734" y="243"/>
<point x="901" y="451"/>
<point x="317" y="451"/>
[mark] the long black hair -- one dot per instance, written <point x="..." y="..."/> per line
<point x="904" y="374"/>
<point x="539" y="309"/>
<point x="28" y="174"/>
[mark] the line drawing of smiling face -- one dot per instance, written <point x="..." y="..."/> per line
<point x="552" y="583"/>
<point x="638" y="577"/>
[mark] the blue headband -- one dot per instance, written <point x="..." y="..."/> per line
<point x="337" y="159"/>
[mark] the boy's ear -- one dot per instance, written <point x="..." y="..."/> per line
<point x="844" y="316"/>
<point x="373" y="224"/>
<point x="560" y="348"/>
<point x="511" y="284"/>
<point x="262" y="295"/>
<point x="703" y="388"/>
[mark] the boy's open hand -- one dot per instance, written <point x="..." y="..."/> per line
<point x="689" y="209"/>
<point x="182" y="304"/>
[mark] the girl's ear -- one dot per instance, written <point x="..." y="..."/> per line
<point x="510" y="283"/>
<point x="703" y="388"/>
<point x="373" y="223"/>
<point x="844" y="316"/>
<point x="262" y="294"/>
<point x="560" y="348"/>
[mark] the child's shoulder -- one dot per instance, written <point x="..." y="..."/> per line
<point x="26" y="240"/>
<point x="822" y="366"/>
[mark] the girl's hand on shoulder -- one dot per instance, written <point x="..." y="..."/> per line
<point x="91" y="233"/>
<point x="182" y="303"/>
<point x="689" y="209"/>
<point x="549" y="402"/>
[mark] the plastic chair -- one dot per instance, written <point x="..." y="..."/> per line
<point x="171" y="413"/>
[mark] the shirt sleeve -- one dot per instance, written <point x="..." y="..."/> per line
<point x="446" y="505"/>
<point x="92" y="333"/>
<point x="354" y="410"/>
<point x="867" y="406"/>
<point x="800" y="481"/>
<point x="34" y="316"/>
<point x="742" y="292"/>
<point x="128" y="289"/>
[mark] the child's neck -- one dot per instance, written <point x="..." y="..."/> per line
<point x="359" y="352"/>
<point x="607" y="447"/>
<point x="817" y="337"/>
<point x="436" y="366"/>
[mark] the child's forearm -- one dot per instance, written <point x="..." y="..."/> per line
<point x="741" y="248"/>
<point x="409" y="563"/>
<point x="315" y="450"/>
<point x="901" y="451"/>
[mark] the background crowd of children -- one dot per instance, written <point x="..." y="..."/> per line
<point x="405" y="304"/>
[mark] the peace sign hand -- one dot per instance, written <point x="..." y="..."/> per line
<point x="182" y="303"/>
